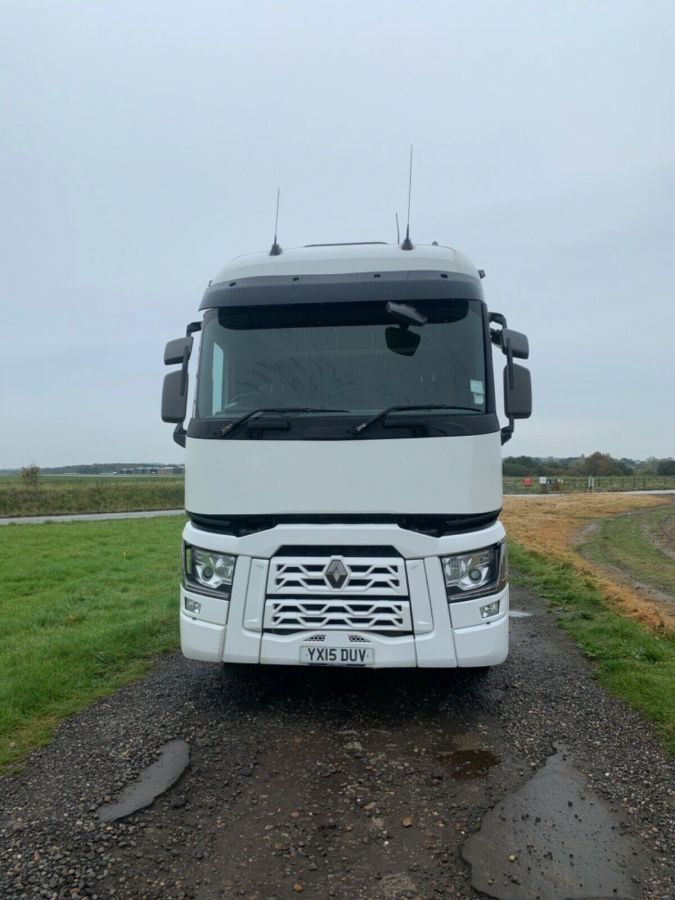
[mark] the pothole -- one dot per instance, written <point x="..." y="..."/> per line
<point x="467" y="765"/>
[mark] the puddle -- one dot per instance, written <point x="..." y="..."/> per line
<point x="467" y="765"/>
<point x="519" y="614"/>
<point x="552" y="839"/>
<point x="153" y="781"/>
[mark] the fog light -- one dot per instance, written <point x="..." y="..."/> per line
<point x="194" y="606"/>
<point x="490" y="609"/>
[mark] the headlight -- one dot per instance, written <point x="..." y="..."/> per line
<point x="208" y="571"/>
<point x="475" y="574"/>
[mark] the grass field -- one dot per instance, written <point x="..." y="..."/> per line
<point x="554" y="526"/>
<point x="58" y="495"/>
<point x="630" y="545"/>
<point x="85" y="608"/>
<point x="562" y="548"/>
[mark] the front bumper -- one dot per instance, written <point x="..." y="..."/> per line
<point x="443" y="635"/>
<point x="484" y="644"/>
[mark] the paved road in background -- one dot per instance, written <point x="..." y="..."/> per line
<point x="91" y="517"/>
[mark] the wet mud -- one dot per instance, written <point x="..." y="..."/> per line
<point x="153" y="781"/>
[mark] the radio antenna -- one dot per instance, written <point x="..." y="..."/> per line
<point x="276" y="250"/>
<point x="398" y="232"/>
<point x="407" y="243"/>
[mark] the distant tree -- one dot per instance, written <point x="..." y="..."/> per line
<point x="521" y="465"/>
<point x="565" y="463"/>
<point x="30" y="476"/>
<point x="600" y="464"/>
<point x="647" y="466"/>
<point x="666" y="466"/>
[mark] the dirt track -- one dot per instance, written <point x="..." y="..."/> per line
<point x="338" y="783"/>
<point x="664" y="535"/>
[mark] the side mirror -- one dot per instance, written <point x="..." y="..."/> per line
<point x="177" y="352"/>
<point x="175" y="388"/>
<point x="516" y="342"/>
<point x="517" y="392"/>
<point x="401" y="341"/>
<point x="174" y="396"/>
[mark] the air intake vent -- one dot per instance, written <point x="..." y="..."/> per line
<point x="381" y="576"/>
<point x="290" y="614"/>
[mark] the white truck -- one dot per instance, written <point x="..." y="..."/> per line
<point x="343" y="460"/>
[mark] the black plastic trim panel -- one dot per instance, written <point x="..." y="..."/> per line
<point x="317" y="597"/>
<point x="432" y="525"/>
<point x="336" y="550"/>
<point x="282" y="290"/>
<point x="359" y="631"/>
<point x="340" y="428"/>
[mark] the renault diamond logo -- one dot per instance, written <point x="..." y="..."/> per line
<point x="336" y="573"/>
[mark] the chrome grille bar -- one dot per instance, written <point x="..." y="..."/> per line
<point x="367" y="576"/>
<point x="301" y="614"/>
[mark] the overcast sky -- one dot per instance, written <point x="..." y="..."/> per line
<point x="142" y="144"/>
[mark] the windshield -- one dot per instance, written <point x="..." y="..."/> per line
<point x="352" y="358"/>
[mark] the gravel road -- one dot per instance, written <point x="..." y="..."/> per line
<point x="332" y="783"/>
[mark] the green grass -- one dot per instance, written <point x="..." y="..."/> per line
<point x="58" y="495"/>
<point x="631" y="662"/>
<point x="624" y="542"/>
<point x="85" y="607"/>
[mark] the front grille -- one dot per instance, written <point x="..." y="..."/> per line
<point x="339" y="591"/>
<point x="306" y="575"/>
<point x="292" y="614"/>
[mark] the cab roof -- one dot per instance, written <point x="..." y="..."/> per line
<point x="338" y="259"/>
<point x="335" y="273"/>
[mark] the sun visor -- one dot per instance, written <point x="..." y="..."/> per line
<point x="285" y="290"/>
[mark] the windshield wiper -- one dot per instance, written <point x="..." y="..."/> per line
<point x="385" y="412"/>
<point x="226" y="430"/>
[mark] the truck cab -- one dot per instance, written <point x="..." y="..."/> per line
<point x="343" y="460"/>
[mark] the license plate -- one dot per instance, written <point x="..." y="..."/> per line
<point x="317" y="655"/>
